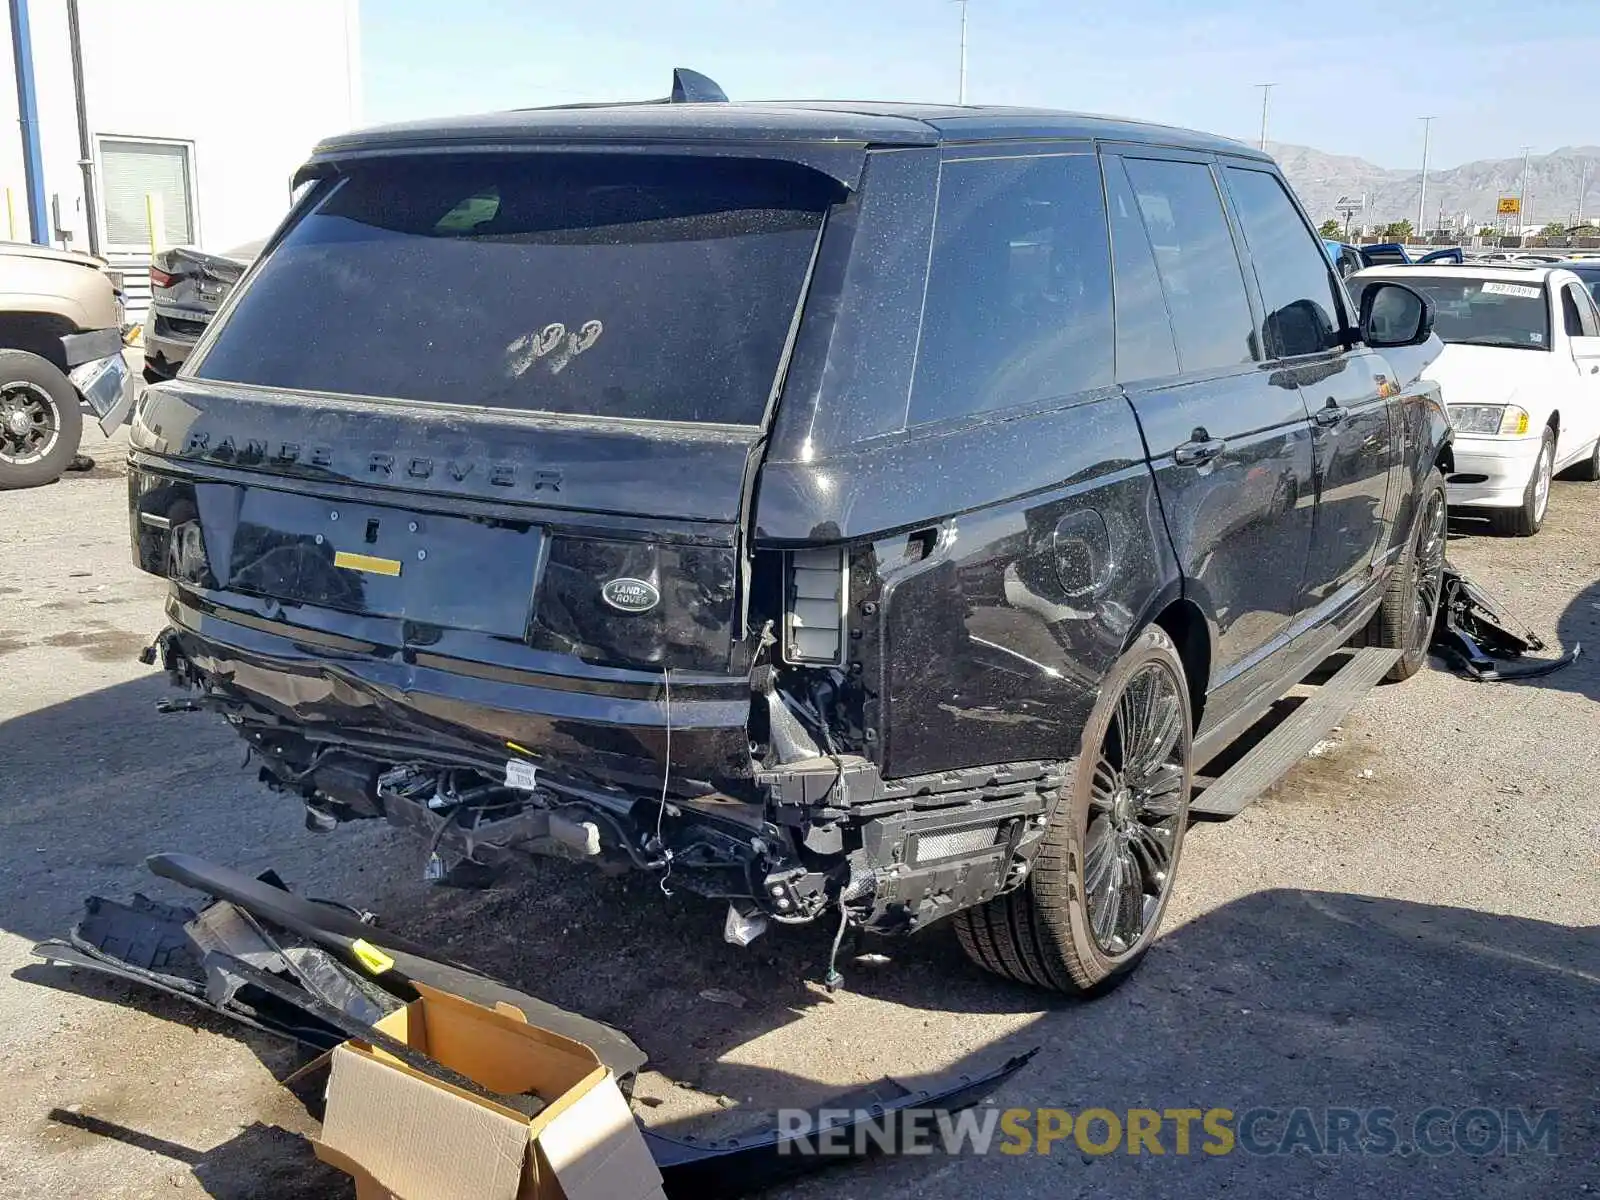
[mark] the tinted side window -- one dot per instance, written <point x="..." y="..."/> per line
<point x="1195" y="256"/>
<point x="1578" y="311"/>
<point x="1587" y="313"/>
<point x="1019" y="287"/>
<point x="1569" y="313"/>
<point x="1145" y="348"/>
<point x="1301" y="315"/>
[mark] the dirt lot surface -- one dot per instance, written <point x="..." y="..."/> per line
<point x="1407" y="921"/>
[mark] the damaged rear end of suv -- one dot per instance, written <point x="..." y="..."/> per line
<point x="455" y="502"/>
<point x="760" y="496"/>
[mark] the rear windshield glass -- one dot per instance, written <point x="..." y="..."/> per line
<point x="1478" y="312"/>
<point x="603" y="285"/>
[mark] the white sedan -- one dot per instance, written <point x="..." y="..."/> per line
<point x="1520" y="374"/>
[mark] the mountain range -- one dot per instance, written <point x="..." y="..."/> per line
<point x="1473" y="188"/>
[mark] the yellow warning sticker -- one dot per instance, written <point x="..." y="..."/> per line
<point x="369" y="956"/>
<point x="366" y="562"/>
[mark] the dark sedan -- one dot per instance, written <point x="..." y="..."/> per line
<point x="187" y="286"/>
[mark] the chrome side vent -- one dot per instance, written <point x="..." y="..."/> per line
<point x="814" y="617"/>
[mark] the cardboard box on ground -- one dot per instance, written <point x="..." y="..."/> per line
<point x="405" y="1136"/>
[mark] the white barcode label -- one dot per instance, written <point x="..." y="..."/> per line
<point x="1520" y="290"/>
<point x="521" y="775"/>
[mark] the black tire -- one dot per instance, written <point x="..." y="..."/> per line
<point x="1528" y="518"/>
<point x="40" y="423"/>
<point x="1589" y="469"/>
<point x="1052" y="931"/>
<point x="1404" y="621"/>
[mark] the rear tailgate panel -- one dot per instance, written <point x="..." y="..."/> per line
<point x="507" y="397"/>
<point x="453" y="572"/>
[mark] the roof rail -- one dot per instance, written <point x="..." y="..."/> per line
<point x="688" y="87"/>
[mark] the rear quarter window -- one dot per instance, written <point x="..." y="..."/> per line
<point x="1018" y="307"/>
<point x="606" y="285"/>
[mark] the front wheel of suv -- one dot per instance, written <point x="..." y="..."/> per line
<point x="1405" y="619"/>
<point x="1100" y="884"/>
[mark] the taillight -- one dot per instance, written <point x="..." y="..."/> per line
<point x="160" y="278"/>
<point x="636" y="604"/>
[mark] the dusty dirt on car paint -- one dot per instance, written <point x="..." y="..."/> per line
<point x="1319" y="948"/>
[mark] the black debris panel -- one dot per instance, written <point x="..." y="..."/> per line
<point x="1473" y="634"/>
<point x="319" y="973"/>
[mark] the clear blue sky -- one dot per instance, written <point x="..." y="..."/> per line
<point x="1497" y="76"/>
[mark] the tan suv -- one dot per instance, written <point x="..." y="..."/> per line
<point x="60" y="348"/>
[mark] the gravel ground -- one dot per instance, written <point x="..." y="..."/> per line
<point x="1407" y="921"/>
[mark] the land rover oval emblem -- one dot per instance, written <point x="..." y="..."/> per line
<point x="630" y="595"/>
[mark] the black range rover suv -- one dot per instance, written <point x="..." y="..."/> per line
<point x="865" y="512"/>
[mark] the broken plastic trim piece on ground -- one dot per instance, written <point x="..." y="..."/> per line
<point x="1474" y="636"/>
<point x="330" y="955"/>
<point x="763" y="1158"/>
<point x="316" y="973"/>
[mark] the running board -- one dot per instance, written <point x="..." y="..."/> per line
<point x="1276" y="754"/>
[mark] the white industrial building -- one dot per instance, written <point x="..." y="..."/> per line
<point x="197" y="113"/>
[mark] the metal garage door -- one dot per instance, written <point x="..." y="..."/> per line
<point x="144" y="182"/>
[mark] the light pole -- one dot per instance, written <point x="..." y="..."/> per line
<point x="1266" y="92"/>
<point x="1522" y="192"/>
<point x="1422" y="199"/>
<point x="961" y="96"/>
<point x="1583" y="187"/>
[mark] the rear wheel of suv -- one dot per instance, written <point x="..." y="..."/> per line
<point x="39" y="420"/>
<point x="1100" y="884"/>
<point x="1528" y="517"/>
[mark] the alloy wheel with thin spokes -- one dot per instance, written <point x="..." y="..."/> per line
<point x="30" y="423"/>
<point x="1135" y="808"/>
<point x="1092" y="902"/>
<point x="1428" y="562"/>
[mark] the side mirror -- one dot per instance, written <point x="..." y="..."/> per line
<point x="1394" y="315"/>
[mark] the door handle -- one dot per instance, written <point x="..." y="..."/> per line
<point x="1331" y="413"/>
<point x="1594" y="370"/>
<point x="1198" y="450"/>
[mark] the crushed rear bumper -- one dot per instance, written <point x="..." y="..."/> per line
<point x="611" y="723"/>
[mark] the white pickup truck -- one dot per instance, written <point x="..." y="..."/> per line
<point x="60" y="348"/>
